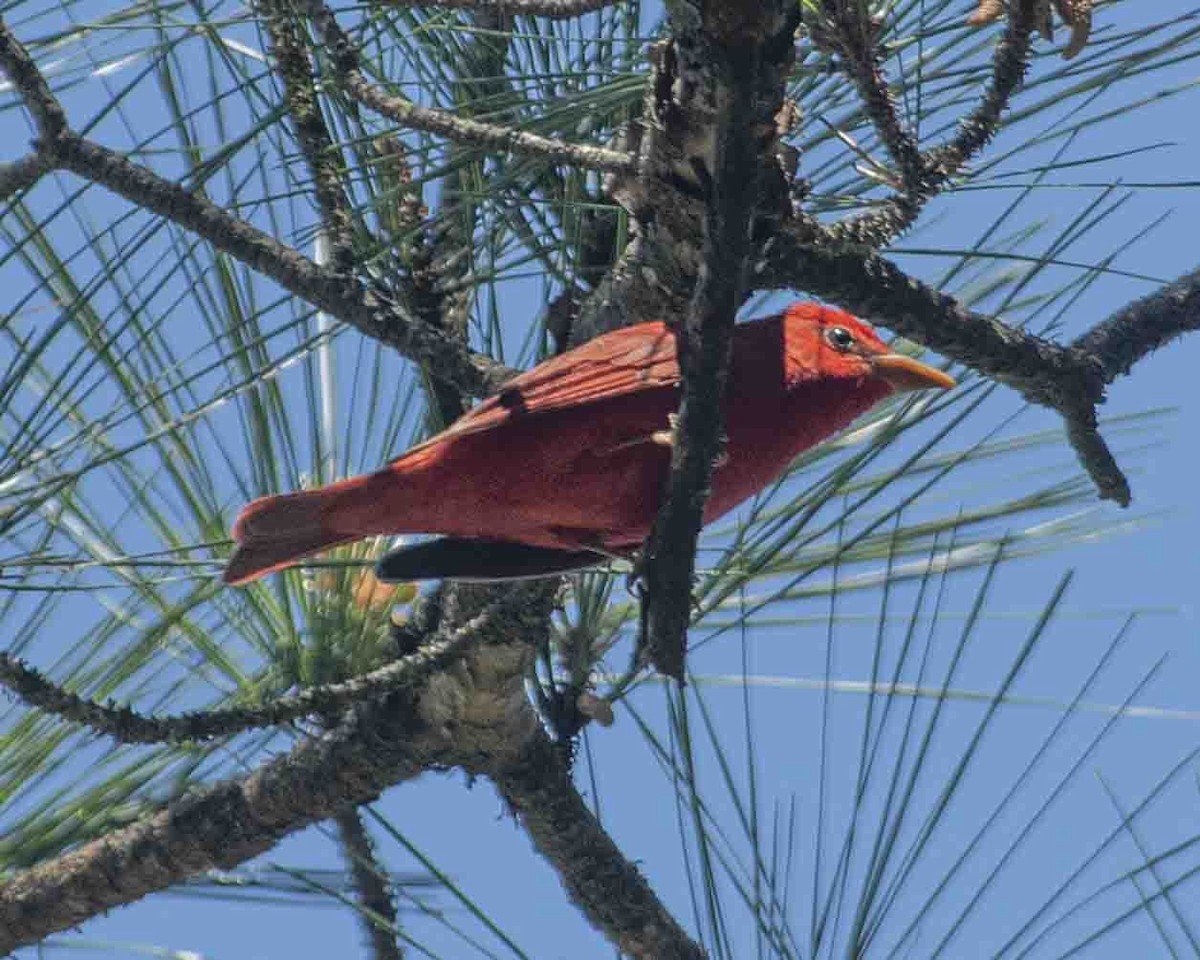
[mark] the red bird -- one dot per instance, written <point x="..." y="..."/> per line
<point x="567" y="464"/>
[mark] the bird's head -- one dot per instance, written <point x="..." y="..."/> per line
<point x="830" y="344"/>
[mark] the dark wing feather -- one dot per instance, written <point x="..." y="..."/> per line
<point x="461" y="558"/>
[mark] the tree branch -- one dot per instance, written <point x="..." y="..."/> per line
<point x="704" y="346"/>
<point x="610" y="890"/>
<point x="372" y="888"/>
<point x="551" y="9"/>
<point x="403" y="111"/>
<point x="222" y="825"/>
<point x="128" y="726"/>
<point x="748" y="64"/>
<point x="1143" y="326"/>
<point x="22" y="174"/>
<point x="1068" y="379"/>
<point x="925" y="175"/>
<point x="367" y="310"/>
<point x="850" y="32"/>
<point x="43" y="106"/>
<point x="41" y="103"/>
<point x="294" y="68"/>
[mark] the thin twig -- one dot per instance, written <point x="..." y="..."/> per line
<point x="853" y="34"/>
<point x="372" y="887"/>
<point x="403" y="111"/>
<point x="295" y="69"/>
<point x="23" y="174"/>
<point x="222" y="825"/>
<point x="1010" y="61"/>
<point x="1143" y="326"/>
<point x="129" y="726"/>
<point x="474" y="133"/>
<point x="927" y="174"/>
<point x="551" y="9"/>
<point x="367" y="310"/>
<point x="610" y="890"/>
<point x="41" y="103"/>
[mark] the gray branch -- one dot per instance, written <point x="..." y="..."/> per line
<point x="1143" y="326"/>
<point x="551" y="9"/>
<point x="295" y="70"/>
<point x="22" y="174"/>
<point x="223" y="825"/>
<point x="372" y="887"/>
<point x="443" y="123"/>
<point x="926" y="174"/>
<point x="704" y="346"/>
<point x="128" y="726"/>
<point x="41" y="103"/>
<point x="610" y="890"/>
<point x="1068" y="379"/>
<point x="367" y="310"/>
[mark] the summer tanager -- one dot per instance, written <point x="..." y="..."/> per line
<point x="567" y="464"/>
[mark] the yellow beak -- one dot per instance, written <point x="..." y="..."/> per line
<point x="906" y="374"/>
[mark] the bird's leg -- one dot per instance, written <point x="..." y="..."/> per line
<point x="662" y="438"/>
<point x="635" y="586"/>
<point x="666" y="438"/>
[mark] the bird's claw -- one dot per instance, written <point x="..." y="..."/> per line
<point x="635" y="583"/>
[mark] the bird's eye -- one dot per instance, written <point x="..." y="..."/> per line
<point x="840" y="338"/>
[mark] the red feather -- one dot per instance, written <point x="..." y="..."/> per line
<point x="573" y="454"/>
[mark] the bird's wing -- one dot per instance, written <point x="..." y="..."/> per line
<point x="463" y="558"/>
<point x="629" y="360"/>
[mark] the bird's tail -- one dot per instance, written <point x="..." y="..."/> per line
<point x="275" y="532"/>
